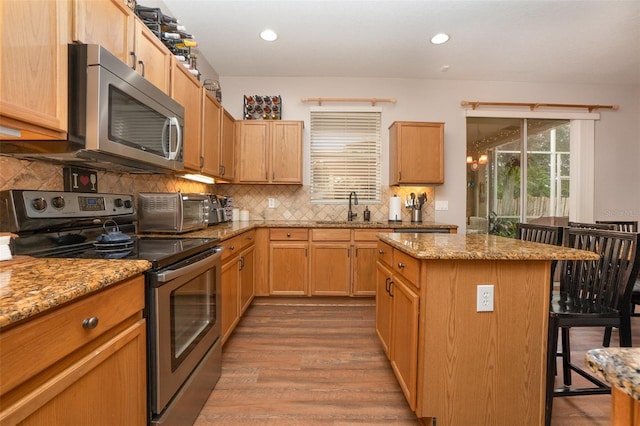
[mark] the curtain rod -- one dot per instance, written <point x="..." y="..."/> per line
<point x="373" y="101"/>
<point x="532" y="106"/>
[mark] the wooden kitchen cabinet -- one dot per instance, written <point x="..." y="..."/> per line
<point x="105" y="22"/>
<point x="288" y="261"/>
<point x="211" y="133"/>
<point x="397" y="312"/>
<point x="152" y="59"/>
<point x="112" y="24"/>
<point x="93" y="376"/>
<point x="188" y="92"/>
<point x="416" y="153"/>
<point x="269" y="152"/>
<point x="247" y="277"/>
<point x="226" y="170"/>
<point x="330" y="263"/>
<point x="238" y="288"/>
<point x="364" y="258"/>
<point x="33" y="96"/>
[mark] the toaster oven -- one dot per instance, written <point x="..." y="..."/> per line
<point x="172" y="212"/>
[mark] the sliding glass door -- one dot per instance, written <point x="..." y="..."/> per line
<point x="508" y="157"/>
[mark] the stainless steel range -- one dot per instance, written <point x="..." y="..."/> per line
<point x="182" y="287"/>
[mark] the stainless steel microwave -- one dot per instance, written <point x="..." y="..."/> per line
<point x="117" y="119"/>
<point x="172" y="212"/>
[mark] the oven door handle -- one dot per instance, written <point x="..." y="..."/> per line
<point x="172" y="274"/>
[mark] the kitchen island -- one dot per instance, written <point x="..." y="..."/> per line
<point x="465" y="354"/>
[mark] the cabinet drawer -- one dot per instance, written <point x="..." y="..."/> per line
<point x="41" y="342"/>
<point x="336" y="234"/>
<point x="408" y="266"/>
<point x="385" y="253"/>
<point x="235" y="245"/>
<point x="367" y="234"/>
<point x="289" y="234"/>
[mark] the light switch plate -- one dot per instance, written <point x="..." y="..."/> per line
<point x="442" y="205"/>
<point x="272" y="203"/>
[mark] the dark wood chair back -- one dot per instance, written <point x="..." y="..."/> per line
<point x="547" y="234"/>
<point x="606" y="283"/>
<point x="621" y="225"/>
<point x="586" y="225"/>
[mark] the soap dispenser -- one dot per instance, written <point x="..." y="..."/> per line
<point x="367" y="214"/>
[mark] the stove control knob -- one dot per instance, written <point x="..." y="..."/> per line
<point x="127" y="204"/>
<point x="57" y="202"/>
<point x="39" y="204"/>
<point x="118" y="202"/>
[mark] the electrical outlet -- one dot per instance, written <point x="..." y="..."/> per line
<point x="485" y="298"/>
<point x="442" y="205"/>
<point x="272" y="203"/>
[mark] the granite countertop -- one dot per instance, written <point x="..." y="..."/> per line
<point x="478" y="247"/>
<point x="620" y="367"/>
<point x="36" y="285"/>
<point x="228" y="230"/>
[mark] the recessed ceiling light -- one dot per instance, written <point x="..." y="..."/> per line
<point x="268" y="35"/>
<point x="439" y="38"/>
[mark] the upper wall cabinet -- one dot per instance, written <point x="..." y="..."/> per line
<point x="226" y="169"/>
<point x="187" y="91"/>
<point x="416" y="153"/>
<point x="152" y="58"/>
<point x="33" y="40"/>
<point x="269" y="152"/>
<point x="211" y="134"/>
<point x="106" y="22"/>
<point x="113" y="24"/>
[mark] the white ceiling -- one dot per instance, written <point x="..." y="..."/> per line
<point x="571" y="41"/>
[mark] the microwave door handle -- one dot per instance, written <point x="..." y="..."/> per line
<point x="174" y="154"/>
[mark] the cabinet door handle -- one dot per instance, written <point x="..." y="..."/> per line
<point x="381" y="252"/>
<point x="90" y="323"/>
<point x="241" y="260"/>
<point x="401" y="265"/>
<point x="387" y="282"/>
<point x="390" y="292"/>
<point x="142" y="64"/>
<point x="135" y="59"/>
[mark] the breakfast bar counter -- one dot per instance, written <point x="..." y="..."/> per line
<point x="464" y="320"/>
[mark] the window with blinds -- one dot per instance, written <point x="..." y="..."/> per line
<point x="345" y="156"/>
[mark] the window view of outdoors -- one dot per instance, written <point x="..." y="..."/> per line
<point x="510" y="157"/>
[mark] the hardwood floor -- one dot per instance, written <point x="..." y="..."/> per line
<point x="309" y="361"/>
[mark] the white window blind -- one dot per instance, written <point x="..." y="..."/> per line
<point x="345" y="156"/>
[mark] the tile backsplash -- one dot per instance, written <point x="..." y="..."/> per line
<point x="292" y="201"/>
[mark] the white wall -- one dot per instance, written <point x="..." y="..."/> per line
<point x="617" y="189"/>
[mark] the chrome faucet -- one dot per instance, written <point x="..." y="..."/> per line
<point x="351" y="213"/>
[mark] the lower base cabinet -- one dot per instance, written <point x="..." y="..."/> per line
<point x="79" y="380"/>
<point x="397" y="310"/>
<point x="289" y="261"/>
<point x="238" y="279"/>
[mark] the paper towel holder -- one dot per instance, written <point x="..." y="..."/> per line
<point x="397" y="217"/>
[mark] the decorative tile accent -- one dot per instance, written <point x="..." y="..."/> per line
<point x="293" y="202"/>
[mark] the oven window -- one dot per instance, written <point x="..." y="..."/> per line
<point x="193" y="313"/>
<point x="193" y="212"/>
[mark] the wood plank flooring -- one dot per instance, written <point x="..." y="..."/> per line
<point x="318" y="361"/>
